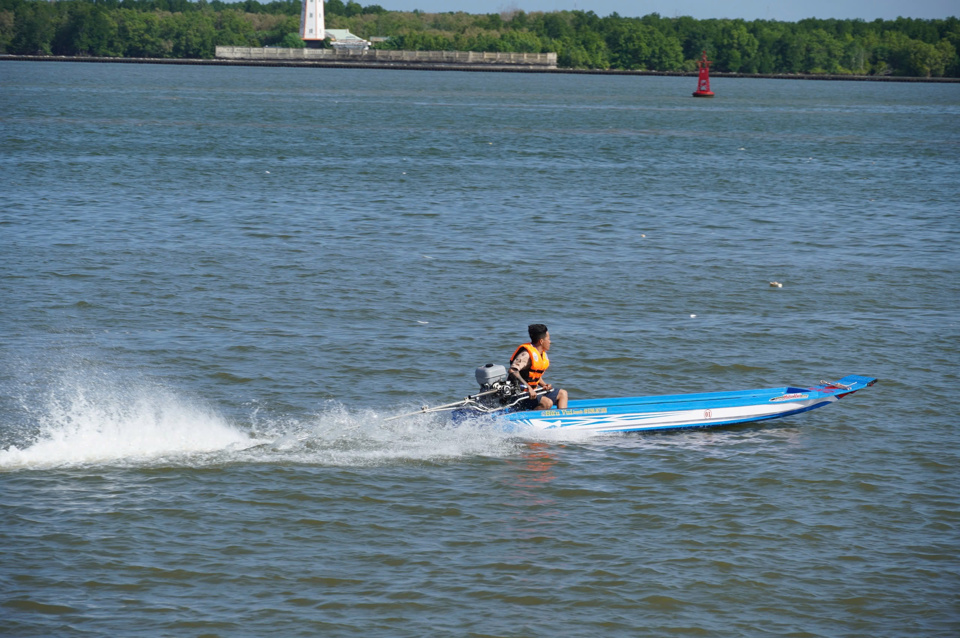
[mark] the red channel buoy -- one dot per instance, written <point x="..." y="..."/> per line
<point x="703" y="82"/>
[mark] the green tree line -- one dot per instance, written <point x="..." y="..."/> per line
<point x="581" y="39"/>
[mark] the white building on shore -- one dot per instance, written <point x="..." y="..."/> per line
<point x="343" y="39"/>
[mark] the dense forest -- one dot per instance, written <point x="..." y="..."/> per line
<point x="581" y="39"/>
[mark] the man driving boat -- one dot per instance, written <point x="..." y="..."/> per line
<point x="527" y="366"/>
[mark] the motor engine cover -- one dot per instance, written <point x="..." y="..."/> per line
<point x="490" y="374"/>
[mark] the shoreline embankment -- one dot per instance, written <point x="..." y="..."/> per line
<point x="482" y="68"/>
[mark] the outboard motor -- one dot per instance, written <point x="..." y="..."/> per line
<point x="496" y="389"/>
<point x="491" y="376"/>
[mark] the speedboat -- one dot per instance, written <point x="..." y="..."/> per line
<point x="502" y="399"/>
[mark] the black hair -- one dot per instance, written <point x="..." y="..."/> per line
<point x="537" y="331"/>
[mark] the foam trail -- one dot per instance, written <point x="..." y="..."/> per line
<point x="339" y="436"/>
<point x="99" y="420"/>
<point x="118" y="424"/>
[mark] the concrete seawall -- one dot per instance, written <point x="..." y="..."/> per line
<point x="385" y="58"/>
<point x="464" y="67"/>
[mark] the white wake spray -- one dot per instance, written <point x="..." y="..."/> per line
<point x="337" y="435"/>
<point x="100" y="422"/>
<point x="91" y="420"/>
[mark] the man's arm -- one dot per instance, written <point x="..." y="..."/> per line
<point x="519" y="363"/>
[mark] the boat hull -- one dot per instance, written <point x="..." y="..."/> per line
<point x="681" y="411"/>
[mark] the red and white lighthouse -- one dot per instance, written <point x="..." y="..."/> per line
<point x="703" y="82"/>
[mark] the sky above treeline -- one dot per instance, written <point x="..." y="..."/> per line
<point x="700" y="9"/>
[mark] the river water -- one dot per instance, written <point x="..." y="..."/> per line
<point x="217" y="282"/>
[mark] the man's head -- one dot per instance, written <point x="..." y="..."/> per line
<point x="538" y="332"/>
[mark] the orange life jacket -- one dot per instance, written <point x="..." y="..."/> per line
<point x="538" y="364"/>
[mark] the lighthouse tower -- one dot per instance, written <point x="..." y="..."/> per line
<point x="311" y="23"/>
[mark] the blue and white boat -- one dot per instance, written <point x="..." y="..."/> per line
<point x="681" y="411"/>
<point x="500" y="399"/>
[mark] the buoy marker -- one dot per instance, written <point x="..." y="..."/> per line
<point x="703" y="81"/>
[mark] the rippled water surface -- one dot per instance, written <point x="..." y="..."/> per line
<point x="217" y="283"/>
